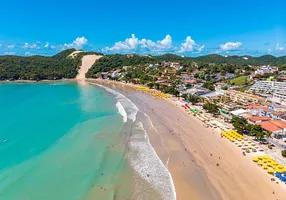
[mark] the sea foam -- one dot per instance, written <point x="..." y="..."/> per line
<point x="142" y="157"/>
<point x="122" y="111"/>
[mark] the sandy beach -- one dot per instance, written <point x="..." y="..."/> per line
<point x="202" y="164"/>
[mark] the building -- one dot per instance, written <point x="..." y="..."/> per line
<point x="243" y="98"/>
<point x="258" y="119"/>
<point x="176" y="65"/>
<point x="279" y="98"/>
<point x="115" y="74"/>
<point x="266" y="70"/>
<point x="277" y="127"/>
<point x="268" y="87"/>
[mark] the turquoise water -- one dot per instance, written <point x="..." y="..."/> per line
<point x="61" y="141"/>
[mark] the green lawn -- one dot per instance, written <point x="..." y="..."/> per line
<point x="241" y="80"/>
<point x="244" y="88"/>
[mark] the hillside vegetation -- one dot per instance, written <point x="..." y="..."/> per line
<point x="37" y="68"/>
<point x="109" y="62"/>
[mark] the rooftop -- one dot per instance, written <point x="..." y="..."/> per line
<point x="269" y="126"/>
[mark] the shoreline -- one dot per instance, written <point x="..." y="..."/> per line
<point x="40" y="81"/>
<point x="196" y="151"/>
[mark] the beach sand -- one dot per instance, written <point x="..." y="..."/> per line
<point x="192" y="153"/>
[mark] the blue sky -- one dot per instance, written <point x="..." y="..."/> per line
<point x="183" y="27"/>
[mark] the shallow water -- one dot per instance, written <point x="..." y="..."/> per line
<point x="62" y="142"/>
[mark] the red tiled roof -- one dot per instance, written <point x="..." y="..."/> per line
<point x="269" y="126"/>
<point x="258" y="118"/>
<point x="279" y="123"/>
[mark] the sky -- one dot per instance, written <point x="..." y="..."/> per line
<point x="183" y="27"/>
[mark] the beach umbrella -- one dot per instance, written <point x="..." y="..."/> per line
<point x="278" y="170"/>
<point x="270" y="171"/>
<point x="260" y="157"/>
<point x="260" y="162"/>
<point x="274" y="163"/>
<point x="265" y="167"/>
<point x="255" y="159"/>
<point x="280" y="166"/>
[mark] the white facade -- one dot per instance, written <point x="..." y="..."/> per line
<point x="268" y="87"/>
<point x="279" y="97"/>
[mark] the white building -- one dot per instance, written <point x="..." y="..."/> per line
<point x="266" y="69"/>
<point x="268" y="87"/>
<point x="279" y="97"/>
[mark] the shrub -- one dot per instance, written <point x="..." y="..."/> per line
<point x="283" y="152"/>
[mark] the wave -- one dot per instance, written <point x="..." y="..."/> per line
<point x="142" y="157"/>
<point x="122" y="111"/>
<point x="130" y="108"/>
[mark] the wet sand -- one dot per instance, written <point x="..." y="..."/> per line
<point x="202" y="165"/>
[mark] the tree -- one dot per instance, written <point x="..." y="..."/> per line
<point x="239" y="123"/>
<point x="209" y="85"/>
<point x="193" y="98"/>
<point x="211" y="108"/>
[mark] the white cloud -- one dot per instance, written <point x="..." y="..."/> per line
<point x="10" y="46"/>
<point x="78" y="43"/>
<point x="279" y="48"/>
<point x="166" y="42"/>
<point x="143" y="46"/>
<point x="30" y="46"/>
<point x="9" y="53"/>
<point x="229" y="46"/>
<point x="190" y="46"/>
<point x="28" y="53"/>
<point x="47" y="45"/>
<point x="269" y="51"/>
<point x="136" y="45"/>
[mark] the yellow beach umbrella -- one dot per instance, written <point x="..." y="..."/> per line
<point x="274" y="163"/>
<point x="255" y="159"/>
<point x="279" y="170"/>
<point x="265" y="167"/>
<point x="260" y="162"/>
<point x="280" y="166"/>
<point x="260" y="157"/>
<point x="270" y="171"/>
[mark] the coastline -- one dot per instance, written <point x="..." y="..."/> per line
<point x="195" y="152"/>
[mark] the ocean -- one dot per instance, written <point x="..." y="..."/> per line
<point x="68" y="141"/>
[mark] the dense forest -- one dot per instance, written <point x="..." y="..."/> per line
<point x="38" y="68"/>
<point x="109" y="62"/>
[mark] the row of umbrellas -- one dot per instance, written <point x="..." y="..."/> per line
<point x="269" y="164"/>
<point x="154" y="93"/>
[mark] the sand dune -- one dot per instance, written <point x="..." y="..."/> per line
<point x="87" y="62"/>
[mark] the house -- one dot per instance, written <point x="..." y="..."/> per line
<point x="266" y="70"/>
<point x="168" y="71"/>
<point x="115" y="74"/>
<point x="176" y="65"/>
<point x="258" y="119"/>
<point x="190" y="82"/>
<point x="274" y="126"/>
<point x="229" y="76"/>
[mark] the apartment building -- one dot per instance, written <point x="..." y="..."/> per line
<point x="279" y="97"/>
<point x="243" y="98"/>
<point x="268" y="87"/>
